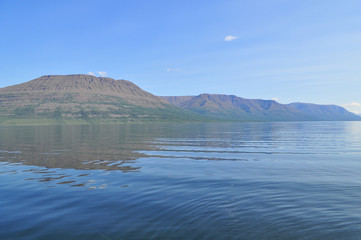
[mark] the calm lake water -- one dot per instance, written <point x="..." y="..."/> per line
<point x="297" y="180"/>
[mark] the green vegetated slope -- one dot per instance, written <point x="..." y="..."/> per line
<point x="86" y="98"/>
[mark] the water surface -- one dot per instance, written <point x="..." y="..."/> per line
<point x="298" y="180"/>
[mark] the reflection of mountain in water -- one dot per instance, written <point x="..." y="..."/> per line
<point x="76" y="147"/>
<point x="66" y="154"/>
<point x="117" y="147"/>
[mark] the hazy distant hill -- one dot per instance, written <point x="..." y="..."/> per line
<point x="236" y="108"/>
<point x="325" y="112"/>
<point x="84" y="97"/>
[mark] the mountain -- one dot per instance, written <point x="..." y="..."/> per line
<point x="236" y="108"/>
<point x="325" y="112"/>
<point x="85" y="97"/>
<point x="85" y="84"/>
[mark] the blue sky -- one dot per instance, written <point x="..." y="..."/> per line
<point x="307" y="51"/>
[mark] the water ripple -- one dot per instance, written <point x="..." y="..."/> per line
<point x="185" y="181"/>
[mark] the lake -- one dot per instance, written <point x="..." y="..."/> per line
<point x="279" y="180"/>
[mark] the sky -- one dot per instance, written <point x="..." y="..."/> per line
<point x="286" y="50"/>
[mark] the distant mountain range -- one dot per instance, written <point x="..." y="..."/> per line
<point x="90" y="98"/>
<point x="233" y="107"/>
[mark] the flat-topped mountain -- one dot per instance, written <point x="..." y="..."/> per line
<point x="233" y="107"/>
<point x="84" y="97"/>
<point x="85" y="84"/>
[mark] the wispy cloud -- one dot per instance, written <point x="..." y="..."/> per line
<point x="103" y="74"/>
<point x="91" y="73"/>
<point x="230" y="38"/>
<point x="275" y="99"/>
<point x="173" y="69"/>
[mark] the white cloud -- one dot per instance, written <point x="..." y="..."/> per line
<point x="173" y="69"/>
<point x="352" y="104"/>
<point x="91" y="73"/>
<point x="230" y="38"/>
<point x="103" y="74"/>
<point x="275" y="99"/>
<point x="354" y="107"/>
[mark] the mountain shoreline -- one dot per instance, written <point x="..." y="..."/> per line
<point x="66" y="99"/>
